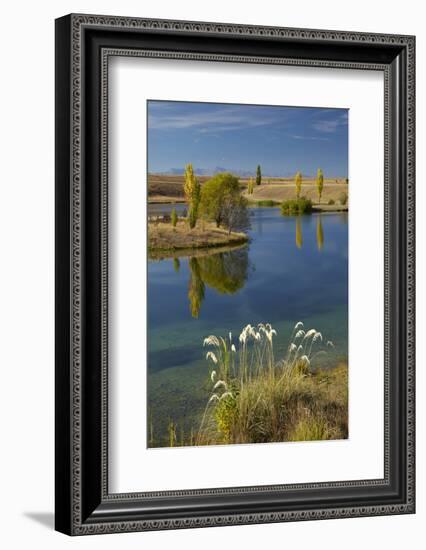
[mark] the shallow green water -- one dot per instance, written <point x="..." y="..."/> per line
<point x="294" y="269"/>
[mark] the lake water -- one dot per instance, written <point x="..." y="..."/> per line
<point x="294" y="269"/>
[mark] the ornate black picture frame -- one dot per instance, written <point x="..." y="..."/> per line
<point x="84" y="44"/>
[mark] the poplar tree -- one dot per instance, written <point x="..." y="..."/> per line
<point x="320" y="183"/>
<point x="298" y="182"/>
<point x="250" y="186"/>
<point x="174" y="217"/>
<point x="190" y="183"/>
<point x="192" y="191"/>
<point x="258" y="175"/>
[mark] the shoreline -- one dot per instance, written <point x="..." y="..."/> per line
<point x="163" y="238"/>
<point x="315" y="207"/>
<point x="158" y="254"/>
<point x="255" y="204"/>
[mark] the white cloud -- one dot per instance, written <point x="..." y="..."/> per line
<point x="206" y="122"/>
<point x="313" y="138"/>
<point x="330" y="125"/>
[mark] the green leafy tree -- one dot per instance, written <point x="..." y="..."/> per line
<point x="258" y="175"/>
<point x="320" y="183"/>
<point x="174" y="217"/>
<point x="221" y="201"/>
<point x="213" y="195"/>
<point x="298" y="182"/>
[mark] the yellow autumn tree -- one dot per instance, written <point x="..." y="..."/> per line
<point x="298" y="182"/>
<point x="250" y="187"/>
<point x="192" y="192"/>
<point x="320" y="183"/>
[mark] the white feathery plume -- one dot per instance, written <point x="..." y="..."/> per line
<point x="212" y="356"/>
<point x="211" y="341"/>
<point x="310" y="333"/>
<point x="318" y="336"/>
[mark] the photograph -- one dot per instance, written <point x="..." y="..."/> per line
<point x="234" y="305"/>
<point x="247" y="262"/>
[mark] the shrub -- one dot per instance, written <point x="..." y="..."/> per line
<point x="343" y="198"/>
<point x="297" y="206"/>
<point x="331" y="201"/>
<point x="174" y="217"/>
<point x="268" y="202"/>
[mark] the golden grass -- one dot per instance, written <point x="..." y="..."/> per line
<point x="163" y="236"/>
<point x="287" y="191"/>
<point x="292" y="407"/>
<point x="258" y="400"/>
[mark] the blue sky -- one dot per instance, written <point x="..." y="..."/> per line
<point x="237" y="137"/>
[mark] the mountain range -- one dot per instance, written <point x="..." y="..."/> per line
<point x="217" y="169"/>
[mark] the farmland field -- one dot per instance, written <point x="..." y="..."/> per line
<point x="165" y="188"/>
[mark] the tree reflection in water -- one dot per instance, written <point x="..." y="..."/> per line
<point x="299" y="238"/>
<point x="320" y="233"/>
<point x="225" y="272"/>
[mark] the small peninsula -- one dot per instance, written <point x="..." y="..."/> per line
<point x="163" y="236"/>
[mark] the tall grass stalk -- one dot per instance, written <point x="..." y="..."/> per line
<point x="255" y="398"/>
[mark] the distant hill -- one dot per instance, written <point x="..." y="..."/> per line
<point x="208" y="172"/>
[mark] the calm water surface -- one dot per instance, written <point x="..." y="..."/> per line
<point x="293" y="269"/>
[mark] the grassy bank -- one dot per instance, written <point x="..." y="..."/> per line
<point x="257" y="399"/>
<point x="164" y="237"/>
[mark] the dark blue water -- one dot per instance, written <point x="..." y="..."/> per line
<point x="294" y="269"/>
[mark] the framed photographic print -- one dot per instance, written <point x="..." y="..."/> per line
<point x="234" y="274"/>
